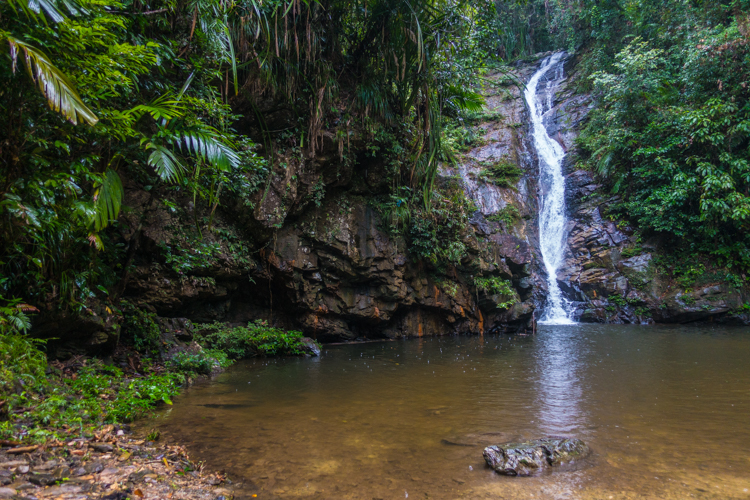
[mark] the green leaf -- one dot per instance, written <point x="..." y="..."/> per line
<point x="59" y="91"/>
<point x="208" y="145"/>
<point x="166" y="164"/>
<point x="164" y="107"/>
<point x="33" y="8"/>
<point x="107" y="199"/>
<point x="62" y="145"/>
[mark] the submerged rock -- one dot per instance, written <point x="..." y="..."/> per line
<point x="530" y="457"/>
<point x="516" y="459"/>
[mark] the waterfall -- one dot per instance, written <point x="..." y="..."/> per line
<point x="552" y="220"/>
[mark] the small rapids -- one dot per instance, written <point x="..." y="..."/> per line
<point x="552" y="220"/>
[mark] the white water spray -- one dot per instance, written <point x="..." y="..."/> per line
<point x="552" y="220"/>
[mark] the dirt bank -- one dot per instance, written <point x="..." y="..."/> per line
<point x="114" y="465"/>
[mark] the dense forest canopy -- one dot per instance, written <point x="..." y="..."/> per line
<point x="97" y="91"/>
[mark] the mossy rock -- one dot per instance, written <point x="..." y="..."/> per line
<point x="532" y="457"/>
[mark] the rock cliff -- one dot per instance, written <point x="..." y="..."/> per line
<point x="310" y="250"/>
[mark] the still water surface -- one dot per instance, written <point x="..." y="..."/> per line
<point x="665" y="409"/>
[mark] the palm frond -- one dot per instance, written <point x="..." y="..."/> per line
<point x="164" y="107"/>
<point x="166" y="164"/>
<point x="107" y="199"/>
<point x="33" y="9"/>
<point x="59" y="91"/>
<point x="185" y="85"/>
<point x="463" y="99"/>
<point x="18" y="321"/>
<point x="207" y="145"/>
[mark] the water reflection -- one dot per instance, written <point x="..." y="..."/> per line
<point x="665" y="410"/>
<point x="558" y="378"/>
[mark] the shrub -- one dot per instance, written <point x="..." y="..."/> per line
<point x="495" y="285"/>
<point x="508" y="215"/>
<point x="436" y="232"/>
<point x="140" y="329"/>
<point x="22" y="364"/>
<point x="95" y="395"/>
<point x="256" y="338"/>
<point x="458" y="137"/>
<point x="504" y="173"/>
<point x="103" y="394"/>
<point x="670" y="137"/>
<point x="202" y="363"/>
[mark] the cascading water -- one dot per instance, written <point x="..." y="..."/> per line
<point x="552" y="220"/>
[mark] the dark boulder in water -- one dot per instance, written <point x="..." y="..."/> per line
<point x="309" y="346"/>
<point x="531" y="457"/>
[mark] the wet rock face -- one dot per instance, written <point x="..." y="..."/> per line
<point x="336" y="275"/>
<point x="326" y="266"/>
<point x="614" y="278"/>
<point x="533" y="457"/>
<point x="348" y="279"/>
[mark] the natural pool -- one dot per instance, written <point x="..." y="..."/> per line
<point x="665" y="409"/>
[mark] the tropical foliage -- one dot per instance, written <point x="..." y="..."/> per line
<point x="144" y="112"/>
<point x="120" y="93"/>
<point x="99" y="97"/>
<point x="494" y="285"/>
<point x="672" y="135"/>
<point x="256" y="338"/>
<point x="377" y="63"/>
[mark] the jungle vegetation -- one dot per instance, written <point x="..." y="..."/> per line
<point x="99" y="95"/>
<point x="96" y="94"/>
<point x="670" y="132"/>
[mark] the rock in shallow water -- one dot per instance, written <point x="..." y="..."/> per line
<point x="310" y="346"/>
<point x="531" y="457"/>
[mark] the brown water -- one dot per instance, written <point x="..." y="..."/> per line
<point x="665" y="409"/>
